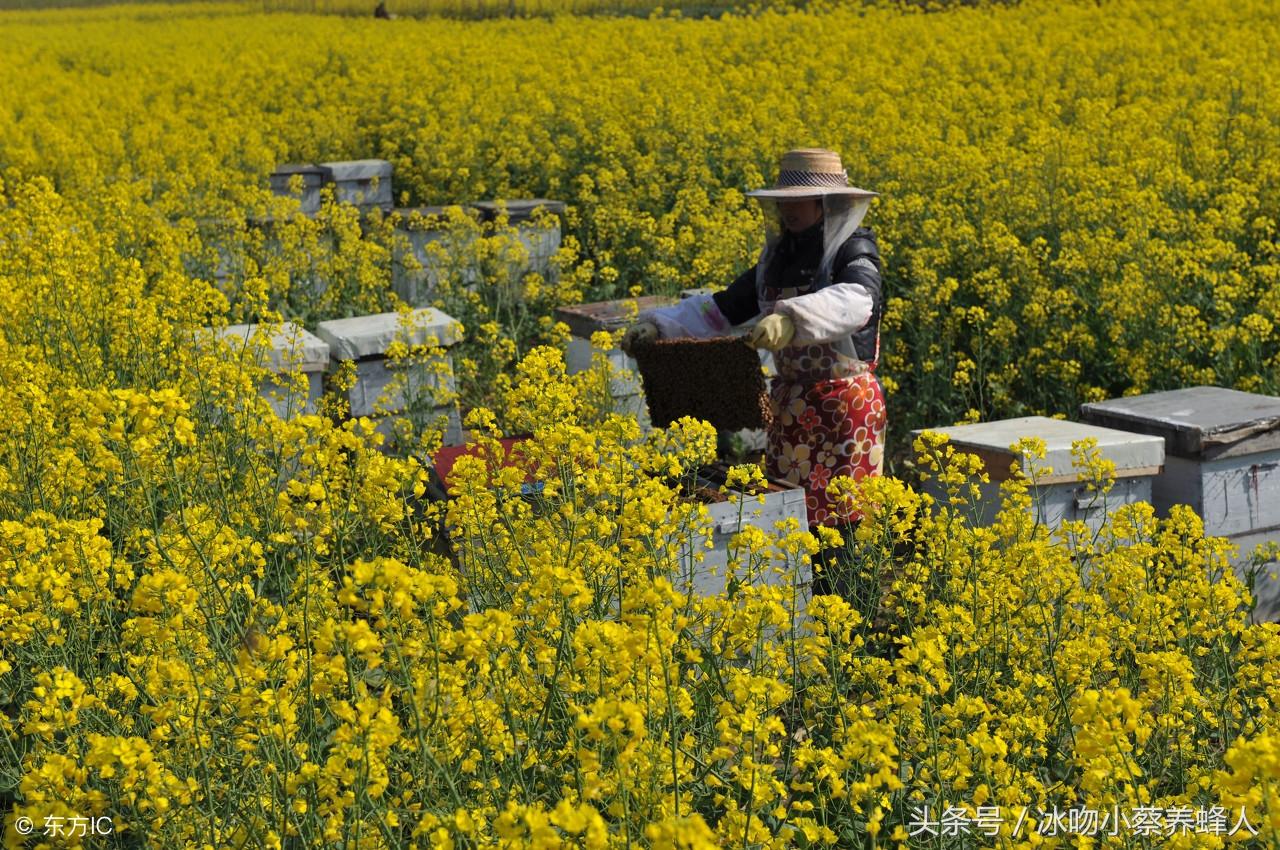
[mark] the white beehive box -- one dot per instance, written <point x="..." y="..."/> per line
<point x="781" y="502"/>
<point x="586" y="319"/>
<point x="365" y="340"/>
<point x="287" y="349"/>
<point x="541" y="243"/>
<point x="363" y="182"/>
<point x="1059" y="495"/>
<point x="416" y="285"/>
<point x="311" y="178"/>
<point x="415" y="282"/>
<point x="1222" y="457"/>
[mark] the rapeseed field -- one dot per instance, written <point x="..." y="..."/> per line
<point x="220" y="628"/>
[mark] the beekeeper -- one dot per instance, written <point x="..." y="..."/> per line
<point x="817" y="290"/>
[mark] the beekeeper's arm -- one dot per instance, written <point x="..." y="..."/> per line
<point x="846" y="305"/>
<point x="699" y="316"/>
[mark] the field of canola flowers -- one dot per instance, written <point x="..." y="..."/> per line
<point x="463" y="9"/>
<point x="220" y="629"/>
<point x="1069" y="212"/>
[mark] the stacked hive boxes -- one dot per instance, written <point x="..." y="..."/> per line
<point x="366" y="183"/>
<point x="780" y="502"/>
<point x="285" y="350"/>
<point x="1061" y="494"/>
<point x="383" y="389"/>
<point x="541" y="243"/>
<point x="415" y="281"/>
<point x="1222" y="458"/>
<point x="303" y="181"/>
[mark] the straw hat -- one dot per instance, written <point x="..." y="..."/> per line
<point x="810" y="173"/>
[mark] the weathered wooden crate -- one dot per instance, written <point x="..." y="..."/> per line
<point x="781" y="501"/>
<point x="1222" y="458"/>
<point x="287" y="349"/>
<point x="366" y="339"/>
<point x="365" y="183"/>
<point x="1060" y="495"/>
<point x="224" y="247"/>
<point x="586" y="319"/>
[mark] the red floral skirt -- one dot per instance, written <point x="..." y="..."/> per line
<point x="825" y="429"/>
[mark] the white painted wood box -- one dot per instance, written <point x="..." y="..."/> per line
<point x="782" y="501"/>
<point x="1060" y="495"/>
<point x="416" y="282"/>
<point x="1222" y="457"/>
<point x="364" y="183"/>
<point x="586" y="319"/>
<point x="365" y="340"/>
<point x="285" y="350"/>
<point x="310" y="177"/>
<point x="540" y="242"/>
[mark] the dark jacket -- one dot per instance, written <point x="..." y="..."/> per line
<point x="795" y="260"/>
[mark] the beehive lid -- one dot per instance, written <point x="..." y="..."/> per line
<point x="518" y="209"/>
<point x="370" y="336"/>
<point x="311" y="352"/>
<point x="359" y="169"/>
<point x="585" y="319"/>
<point x="718" y="380"/>
<point x="1133" y="454"/>
<point x="1196" y="422"/>
<point x="305" y="168"/>
<point x="407" y="213"/>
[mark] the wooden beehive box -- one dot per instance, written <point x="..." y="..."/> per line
<point x="781" y="501"/>
<point x="417" y="282"/>
<point x="1060" y="495"/>
<point x="365" y="340"/>
<point x="311" y="178"/>
<point x="541" y="243"/>
<point x="1222" y="458"/>
<point x="288" y="348"/>
<point x="365" y="183"/>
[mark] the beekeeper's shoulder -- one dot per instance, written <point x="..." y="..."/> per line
<point x="861" y="243"/>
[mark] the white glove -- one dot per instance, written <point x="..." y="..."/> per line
<point x="773" y="332"/>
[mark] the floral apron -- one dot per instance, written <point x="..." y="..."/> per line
<point x="828" y="420"/>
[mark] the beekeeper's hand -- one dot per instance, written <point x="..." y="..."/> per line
<point x="773" y="332"/>
<point x="641" y="333"/>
